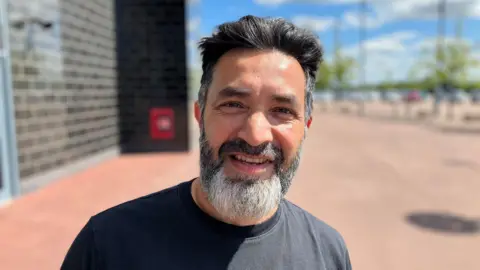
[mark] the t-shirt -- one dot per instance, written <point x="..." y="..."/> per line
<point x="167" y="230"/>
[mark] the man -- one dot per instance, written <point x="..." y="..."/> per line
<point x="253" y="109"/>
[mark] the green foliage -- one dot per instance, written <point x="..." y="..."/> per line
<point x="324" y="77"/>
<point x="457" y="60"/>
<point x="342" y="70"/>
<point x="336" y="73"/>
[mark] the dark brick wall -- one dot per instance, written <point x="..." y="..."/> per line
<point x="152" y="71"/>
<point x="64" y="82"/>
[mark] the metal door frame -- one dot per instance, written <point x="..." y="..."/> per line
<point x="8" y="142"/>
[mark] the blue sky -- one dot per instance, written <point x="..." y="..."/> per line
<point x="396" y="28"/>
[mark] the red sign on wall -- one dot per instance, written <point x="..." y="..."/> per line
<point x="162" y="124"/>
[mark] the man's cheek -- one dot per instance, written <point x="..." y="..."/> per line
<point x="213" y="142"/>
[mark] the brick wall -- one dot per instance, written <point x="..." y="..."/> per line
<point x="64" y="81"/>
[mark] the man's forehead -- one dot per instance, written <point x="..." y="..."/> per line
<point x="257" y="72"/>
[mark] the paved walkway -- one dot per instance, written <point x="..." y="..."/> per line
<point x="366" y="178"/>
<point x="37" y="229"/>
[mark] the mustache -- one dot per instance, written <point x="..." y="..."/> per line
<point x="238" y="145"/>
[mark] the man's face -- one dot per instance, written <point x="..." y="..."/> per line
<point x="252" y="129"/>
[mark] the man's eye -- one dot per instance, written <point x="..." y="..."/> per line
<point x="284" y="110"/>
<point x="232" y="105"/>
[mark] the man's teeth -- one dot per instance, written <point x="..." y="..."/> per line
<point x="251" y="160"/>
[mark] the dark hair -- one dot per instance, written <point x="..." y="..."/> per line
<point x="251" y="32"/>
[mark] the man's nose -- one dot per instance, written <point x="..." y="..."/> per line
<point x="256" y="129"/>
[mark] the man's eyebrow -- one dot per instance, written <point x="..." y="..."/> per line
<point x="234" y="92"/>
<point x="228" y="92"/>
<point x="289" y="99"/>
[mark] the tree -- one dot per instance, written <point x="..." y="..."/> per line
<point x="457" y="60"/>
<point x="388" y="83"/>
<point x="447" y="66"/>
<point x="342" y="70"/>
<point x="324" y="77"/>
<point x="338" y="72"/>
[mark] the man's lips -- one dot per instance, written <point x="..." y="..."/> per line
<point x="250" y="164"/>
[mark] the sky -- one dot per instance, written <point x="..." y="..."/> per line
<point x="398" y="32"/>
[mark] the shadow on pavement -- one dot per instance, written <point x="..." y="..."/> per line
<point x="444" y="223"/>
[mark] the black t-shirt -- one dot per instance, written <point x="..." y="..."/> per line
<point x="167" y="230"/>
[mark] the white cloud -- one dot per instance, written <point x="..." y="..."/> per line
<point x="280" y="2"/>
<point x="394" y="42"/>
<point x="313" y="23"/>
<point x="430" y="44"/>
<point x="385" y="55"/>
<point x="397" y="53"/>
<point x="391" y="10"/>
<point x="193" y="54"/>
<point x="193" y="24"/>
<point x="425" y="9"/>
<point x="476" y="11"/>
<point x="355" y="19"/>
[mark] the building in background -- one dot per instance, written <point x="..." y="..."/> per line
<point x="86" y="80"/>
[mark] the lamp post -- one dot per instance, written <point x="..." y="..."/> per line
<point x="362" y="52"/>
<point x="337" y="87"/>
<point x="440" y="51"/>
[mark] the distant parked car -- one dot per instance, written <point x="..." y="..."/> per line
<point x="413" y="96"/>
<point x="356" y="96"/>
<point x="373" y="95"/>
<point x="458" y="96"/>
<point x="475" y="96"/>
<point x="392" y="96"/>
<point x="323" y="96"/>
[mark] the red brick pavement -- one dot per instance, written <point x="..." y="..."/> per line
<point x="37" y="229"/>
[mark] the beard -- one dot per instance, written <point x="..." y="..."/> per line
<point x="244" y="197"/>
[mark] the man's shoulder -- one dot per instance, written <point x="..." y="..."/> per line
<point x="327" y="239"/>
<point x="325" y="234"/>
<point x="154" y="206"/>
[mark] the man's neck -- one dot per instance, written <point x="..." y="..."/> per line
<point x="200" y="198"/>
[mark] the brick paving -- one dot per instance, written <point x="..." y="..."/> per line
<point x="37" y="229"/>
<point x="363" y="177"/>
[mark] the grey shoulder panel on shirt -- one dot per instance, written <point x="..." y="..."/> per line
<point x="332" y="242"/>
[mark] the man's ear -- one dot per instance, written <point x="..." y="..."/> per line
<point x="198" y="113"/>
<point x="309" y="122"/>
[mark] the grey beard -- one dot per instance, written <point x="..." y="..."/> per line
<point x="241" y="197"/>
